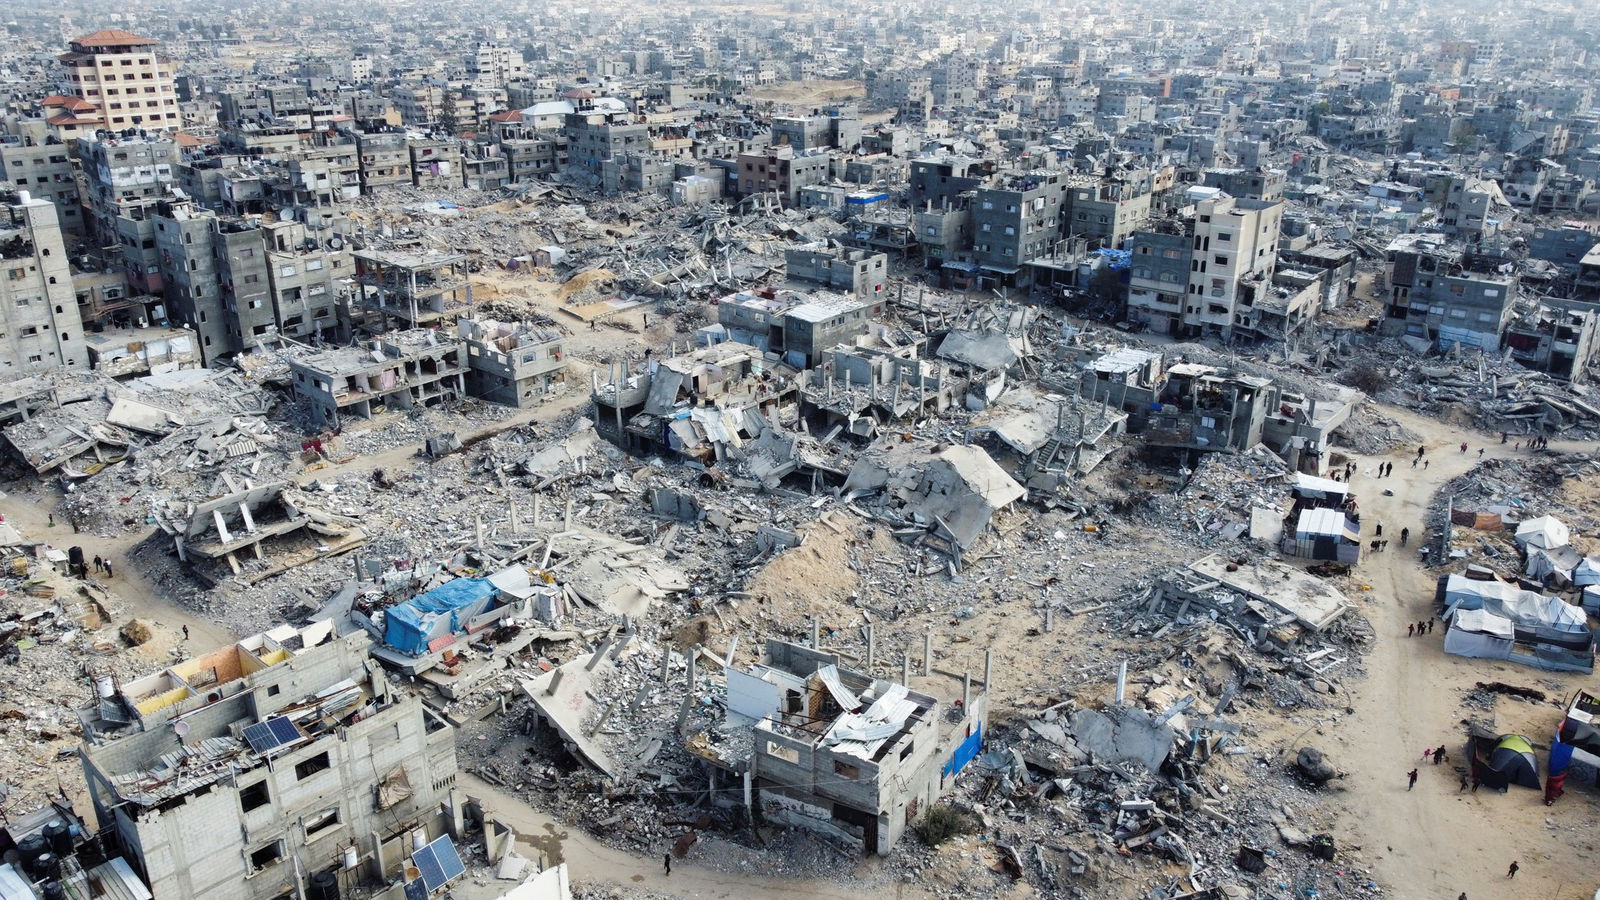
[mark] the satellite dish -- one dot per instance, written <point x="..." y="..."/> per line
<point x="181" y="729"/>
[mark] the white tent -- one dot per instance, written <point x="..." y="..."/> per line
<point x="1545" y="532"/>
<point x="1479" y="634"/>
<point x="1559" y="561"/>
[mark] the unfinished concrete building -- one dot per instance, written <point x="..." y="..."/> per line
<point x="842" y="752"/>
<point x="401" y="371"/>
<point x="1558" y="337"/>
<point x="39" y="325"/>
<point x="134" y="352"/>
<point x="407" y="289"/>
<point x="251" y="770"/>
<point x="801" y="327"/>
<point x="512" y="363"/>
<point x="859" y="390"/>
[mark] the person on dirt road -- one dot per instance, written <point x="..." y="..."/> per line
<point x="1512" y="872"/>
<point x="1463" y="446"/>
<point x="1411" y="630"/>
<point x="1405" y="535"/>
<point x="1411" y="782"/>
<point x="667" y="861"/>
<point x="1420" y="450"/>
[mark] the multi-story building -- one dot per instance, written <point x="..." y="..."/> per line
<point x="781" y="171"/>
<point x="404" y="370"/>
<point x="1446" y="296"/>
<point x="385" y="161"/>
<point x="512" y="363"/>
<point x="1107" y="211"/>
<point x="856" y="272"/>
<point x="254" y="770"/>
<point x="1016" y="219"/>
<point x="123" y="178"/>
<point x="126" y="78"/>
<point x="1226" y="253"/>
<point x="38" y="310"/>
<point x="596" y="135"/>
<point x="493" y="65"/>
<point x="46" y="172"/>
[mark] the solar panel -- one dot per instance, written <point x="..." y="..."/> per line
<point x="439" y="863"/>
<point x="416" y="890"/>
<point x="283" y="730"/>
<point x="264" y="737"/>
<point x="260" y="738"/>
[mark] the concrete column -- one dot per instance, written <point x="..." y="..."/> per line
<point x="566" y="522"/>
<point x="905" y="669"/>
<point x="1049" y="619"/>
<point x="872" y="646"/>
<point x="555" y="681"/>
<point x="816" y="634"/>
<point x="988" y="667"/>
<point x="666" y="664"/>
<point x="966" y="691"/>
<point x="927" y="653"/>
<point x="694" y="655"/>
<point x="1122" y="681"/>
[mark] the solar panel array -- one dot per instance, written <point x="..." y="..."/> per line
<point x="439" y="863"/>
<point x="264" y="737"/>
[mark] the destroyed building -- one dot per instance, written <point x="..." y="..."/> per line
<point x="799" y="327"/>
<point x="407" y="289"/>
<point x="840" y="751"/>
<point x="1441" y="296"/>
<point x="1204" y="408"/>
<point x="704" y="404"/>
<point x="39" y="325"/>
<point x="512" y="363"/>
<point x="404" y="370"/>
<point x="254" y="768"/>
<point x="856" y="272"/>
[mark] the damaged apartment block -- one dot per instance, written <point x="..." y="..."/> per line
<point x="286" y="756"/>
<point x="837" y="750"/>
<point x="403" y="370"/>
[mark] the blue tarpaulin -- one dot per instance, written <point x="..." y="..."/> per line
<point x="409" y="626"/>
<point x="964" y="753"/>
<point x="1116" y="259"/>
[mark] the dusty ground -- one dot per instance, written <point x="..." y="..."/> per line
<point x="1435" y="841"/>
<point x="804" y="93"/>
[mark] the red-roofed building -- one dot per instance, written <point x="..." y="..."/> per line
<point x="124" y="79"/>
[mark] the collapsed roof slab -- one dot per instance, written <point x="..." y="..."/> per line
<point x="1311" y="601"/>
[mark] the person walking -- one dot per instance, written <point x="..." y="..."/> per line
<point x="1420" y="450"/>
<point x="1383" y="547"/>
<point x="1503" y="437"/>
<point x="1379" y="529"/>
<point x="1411" y="629"/>
<point x="1441" y="754"/>
<point x="667" y="861"/>
<point x="1512" y="872"/>
<point x="1463" y="446"/>
<point x="1425" y="464"/>
<point x="1463" y="783"/>
<point x="1480" y="453"/>
<point x="107" y="564"/>
<point x="186" y="632"/>
<point x="1411" y="782"/>
<point x="97" y="564"/>
<point x="1427" y="754"/>
<point x="1430" y="624"/>
<point x="1405" y="535"/>
<point x="1414" y="461"/>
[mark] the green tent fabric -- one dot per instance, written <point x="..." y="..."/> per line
<point x="1512" y="762"/>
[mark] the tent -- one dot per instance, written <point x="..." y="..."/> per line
<point x="1587" y="572"/>
<point x="1322" y="533"/>
<point x="1545" y="533"/>
<point x="1509" y="761"/>
<point x="1495" y="620"/>
<point x="1559" y="562"/>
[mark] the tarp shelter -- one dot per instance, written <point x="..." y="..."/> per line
<point x="1587" y="572"/>
<point x="410" y="627"/>
<point x="1506" y="761"/>
<point x="1322" y="533"/>
<point x="1316" y="491"/>
<point x="1545" y="533"/>
<point x="1578" y="738"/>
<point x="1559" y="562"/>
<point x="1546" y="632"/>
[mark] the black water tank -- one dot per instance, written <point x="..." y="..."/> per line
<point x="52" y="890"/>
<point x="59" y="836"/>
<point x="48" y="865"/>
<point x="324" y="886"/>
<point x="75" y="564"/>
<point x="30" y="849"/>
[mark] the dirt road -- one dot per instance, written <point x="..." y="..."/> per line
<point x="1436" y="841"/>
<point x="591" y="862"/>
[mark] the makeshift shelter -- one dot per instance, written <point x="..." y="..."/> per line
<point x="1309" y="490"/>
<point x="1322" y="533"/>
<point x="1505" y="761"/>
<point x="1587" y="572"/>
<point x="411" y="627"/>
<point x="1558" y="563"/>
<point x="1495" y="620"/>
<point x="1577" y="740"/>
<point x="1544" y="533"/>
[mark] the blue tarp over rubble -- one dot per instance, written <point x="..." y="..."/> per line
<point x="410" y="626"/>
<point x="1118" y="260"/>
